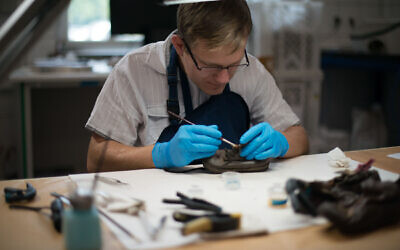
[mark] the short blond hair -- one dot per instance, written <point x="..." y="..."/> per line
<point x="218" y="23"/>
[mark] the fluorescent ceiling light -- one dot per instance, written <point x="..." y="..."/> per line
<point x="171" y="2"/>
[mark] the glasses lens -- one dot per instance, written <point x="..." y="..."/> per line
<point x="216" y="70"/>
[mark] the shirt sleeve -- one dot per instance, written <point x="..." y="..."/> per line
<point x="118" y="111"/>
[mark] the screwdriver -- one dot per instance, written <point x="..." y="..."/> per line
<point x="191" y="123"/>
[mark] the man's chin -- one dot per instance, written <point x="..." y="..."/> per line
<point x="215" y="91"/>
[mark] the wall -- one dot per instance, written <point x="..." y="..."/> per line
<point x="10" y="153"/>
<point x="359" y="16"/>
<point x="60" y="141"/>
<point x="8" y="132"/>
<point x="286" y="35"/>
<point x="355" y="113"/>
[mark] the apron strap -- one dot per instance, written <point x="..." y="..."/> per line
<point x="173" y="102"/>
<point x="227" y="89"/>
<point x="187" y="97"/>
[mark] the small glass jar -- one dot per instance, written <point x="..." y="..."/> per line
<point x="231" y="179"/>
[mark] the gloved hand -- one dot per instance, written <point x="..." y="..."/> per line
<point x="191" y="142"/>
<point x="263" y="142"/>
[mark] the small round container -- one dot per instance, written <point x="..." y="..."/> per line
<point x="277" y="196"/>
<point x="231" y="179"/>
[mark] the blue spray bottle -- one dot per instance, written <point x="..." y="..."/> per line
<point x="81" y="225"/>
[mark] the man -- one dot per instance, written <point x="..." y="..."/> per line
<point x="201" y="72"/>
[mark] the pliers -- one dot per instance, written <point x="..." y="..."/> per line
<point x="17" y="194"/>
<point x="194" y="203"/>
<point x="56" y="207"/>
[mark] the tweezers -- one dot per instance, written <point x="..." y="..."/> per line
<point x="111" y="180"/>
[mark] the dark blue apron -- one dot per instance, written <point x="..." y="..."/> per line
<point x="227" y="110"/>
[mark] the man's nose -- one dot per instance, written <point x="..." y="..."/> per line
<point x="223" y="76"/>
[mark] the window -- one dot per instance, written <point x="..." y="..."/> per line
<point x="89" y="20"/>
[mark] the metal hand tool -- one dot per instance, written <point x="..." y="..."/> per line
<point x="152" y="230"/>
<point x="194" y="203"/>
<point x="16" y="194"/>
<point x="191" y="123"/>
<point x="207" y="223"/>
<point x="56" y="208"/>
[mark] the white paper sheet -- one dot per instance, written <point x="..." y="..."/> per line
<point x="395" y="156"/>
<point x="251" y="199"/>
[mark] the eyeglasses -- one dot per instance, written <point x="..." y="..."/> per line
<point x="217" y="69"/>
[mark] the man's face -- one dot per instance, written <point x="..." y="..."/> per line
<point x="210" y="80"/>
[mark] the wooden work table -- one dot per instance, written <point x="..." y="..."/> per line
<point x="20" y="229"/>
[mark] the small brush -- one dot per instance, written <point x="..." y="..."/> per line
<point x="191" y="123"/>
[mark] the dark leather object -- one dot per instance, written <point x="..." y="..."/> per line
<point x="354" y="202"/>
<point x="230" y="160"/>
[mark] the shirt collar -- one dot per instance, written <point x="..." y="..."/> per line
<point x="158" y="59"/>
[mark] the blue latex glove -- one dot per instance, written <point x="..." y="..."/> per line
<point x="263" y="142"/>
<point x="191" y="142"/>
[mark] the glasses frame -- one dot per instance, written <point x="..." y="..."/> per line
<point x="218" y="68"/>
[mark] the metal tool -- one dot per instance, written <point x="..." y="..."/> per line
<point x="122" y="228"/>
<point x="16" y="194"/>
<point x="213" y="221"/>
<point x="191" y="123"/>
<point x="63" y="198"/>
<point x="153" y="231"/>
<point x="56" y="208"/>
<point x="111" y="180"/>
<point x="194" y="203"/>
<point x="219" y="222"/>
<point x="159" y="227"/>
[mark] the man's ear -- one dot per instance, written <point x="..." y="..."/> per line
<point x="178" y="44"/>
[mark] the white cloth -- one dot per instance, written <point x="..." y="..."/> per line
<point x="116" y="202"/>
<point x="337" y="158"/>
<point x="132" y="104"/>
